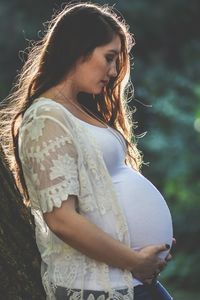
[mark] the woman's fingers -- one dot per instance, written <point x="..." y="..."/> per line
<point x="153" y="270"/>
<point x="162" y="247"/>
<point x="162" y="264"/>
<point x="150" y="264"/>
<point x="168" y="257"/>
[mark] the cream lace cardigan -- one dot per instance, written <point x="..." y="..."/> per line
<point x="60" y="157"/>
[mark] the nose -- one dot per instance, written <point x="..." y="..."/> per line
<point x="113" y="70"/>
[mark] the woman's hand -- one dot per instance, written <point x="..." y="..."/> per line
<point x="167" y="259"/>
<point x="149" y="264"/>
<point x="169" y="256"/>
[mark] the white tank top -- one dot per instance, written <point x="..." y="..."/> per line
<point x="147" y="214"/>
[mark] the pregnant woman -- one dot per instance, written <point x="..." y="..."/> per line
<point x="100" y="226"/>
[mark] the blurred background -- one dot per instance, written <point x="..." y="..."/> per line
<point x="166" y="78"/>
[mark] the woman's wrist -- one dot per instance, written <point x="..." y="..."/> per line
<point x="134" y="261"/>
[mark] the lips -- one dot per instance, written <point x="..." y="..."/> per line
<point x="105" y="82"/>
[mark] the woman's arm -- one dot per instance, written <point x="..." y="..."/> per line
<point x="87" y="238"/>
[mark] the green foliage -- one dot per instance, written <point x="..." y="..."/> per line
<point x="172" y="133"/>
<point x="183" y="262"/>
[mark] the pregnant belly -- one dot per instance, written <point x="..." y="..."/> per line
<point x="147" y="214"/>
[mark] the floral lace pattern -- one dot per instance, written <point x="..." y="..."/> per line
<point x="59" y="159"/>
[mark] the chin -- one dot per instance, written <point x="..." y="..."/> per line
<point x="96" y="91"/>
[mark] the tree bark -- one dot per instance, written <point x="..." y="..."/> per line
<point x="19" y="257"/>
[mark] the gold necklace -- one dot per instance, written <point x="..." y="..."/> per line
<point x="117" y="134"/>
<point x="83" y="111"/>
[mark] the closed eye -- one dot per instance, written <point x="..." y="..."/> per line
<point x="109" y="58"/>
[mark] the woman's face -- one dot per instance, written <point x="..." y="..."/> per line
<point x="94" y="73"/>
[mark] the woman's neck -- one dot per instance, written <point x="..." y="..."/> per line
<point x="62" y="92"/>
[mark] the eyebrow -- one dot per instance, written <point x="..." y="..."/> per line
<point x="114" y="51"/>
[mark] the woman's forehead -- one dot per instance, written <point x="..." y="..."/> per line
<point x="113" y="46"/>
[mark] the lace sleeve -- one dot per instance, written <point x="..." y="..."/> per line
<point x="50" y="160"/>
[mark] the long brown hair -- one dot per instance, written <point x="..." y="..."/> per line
<point x="72" y="33"/>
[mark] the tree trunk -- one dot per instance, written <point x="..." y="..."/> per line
<point x="19" y="258"/>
